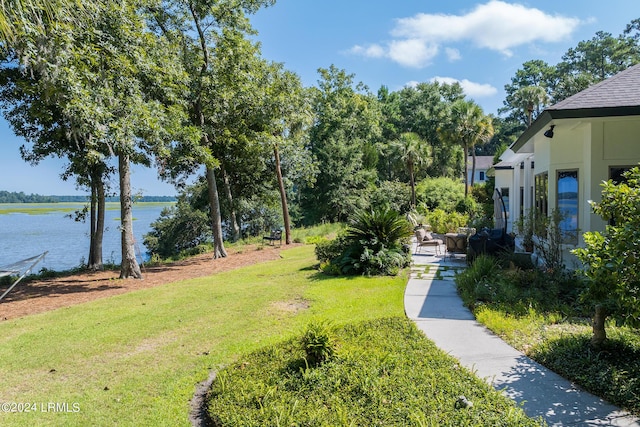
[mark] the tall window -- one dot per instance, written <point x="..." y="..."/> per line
<point x="568" y="205"/>
<point x="541" y="193"/>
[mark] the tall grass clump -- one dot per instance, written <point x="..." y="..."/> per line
<point x="318" y="343"/>
<point x="477" y="283"/>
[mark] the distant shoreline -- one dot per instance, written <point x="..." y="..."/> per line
<point x="20" y="197"/>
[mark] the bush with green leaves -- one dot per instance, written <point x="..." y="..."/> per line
<point x="477" y="277"/>
<point x="393" y="194"/>
<point x="445" y="222"/>
<point x="179" y="228"/>
<point x="372" y="244"/>
<point x="440" y="193"/>
<point x="612" y="258"/>
<point x="318" y="343"/>
<point x="496" y="282"/>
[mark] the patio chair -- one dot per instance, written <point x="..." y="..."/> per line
<point x="456" y="243"/>
<point x="425" y="238"/>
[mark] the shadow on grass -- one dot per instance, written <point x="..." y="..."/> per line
<point x="320" y="276"/>
<point x="611" y="371"/>
<point x="78" y="281"/>
<point x="545" y="394"/>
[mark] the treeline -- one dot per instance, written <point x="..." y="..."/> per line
<point x="271" y="152"/>
<point x="21" y="197"/>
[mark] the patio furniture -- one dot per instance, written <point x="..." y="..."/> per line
<point x="492" y="241"/>
<point x="275" y="236"/>
<point x="456" y="243"/>
<point x="425" y="238"/>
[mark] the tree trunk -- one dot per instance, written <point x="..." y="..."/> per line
<point x="233" y="217"/>
<point x="466" y="171"/>
<point x="599" y="333"/>
<point x="216" y="220"/>
<point x="97" y="222"/>
<point x="412" y="181"/>
<point x="214" y="200"/>
<point x="92" y="226"/>
<point x="473" y="167"/>
<point x="283" y="198"/>
<point x="129" y="267"/>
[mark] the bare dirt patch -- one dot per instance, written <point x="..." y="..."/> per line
<point x="44" y="295"/>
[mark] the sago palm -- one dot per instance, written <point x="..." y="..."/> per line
<point x="379" y="228"/>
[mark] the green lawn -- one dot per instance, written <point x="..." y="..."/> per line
<point x="135" y="359"/>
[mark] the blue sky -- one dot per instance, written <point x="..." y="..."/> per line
<point x="481" y="44"/>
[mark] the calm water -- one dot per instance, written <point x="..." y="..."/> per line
<point x="23" y="235"/>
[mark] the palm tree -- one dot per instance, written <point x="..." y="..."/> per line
<point x="530" y="99"/>
<point x="467" y="126"/>
<point x="415" y="152"/>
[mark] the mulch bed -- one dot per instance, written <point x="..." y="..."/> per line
<point x="43" y="295"/>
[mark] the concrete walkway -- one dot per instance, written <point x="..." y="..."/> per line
<point x="431" y="300"/>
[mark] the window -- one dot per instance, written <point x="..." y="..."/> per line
<point x="505" y="197"/>
<point x="541" y="193"/>
<point x="568" y="205"/>
<point x="615" y="173"/>
<point x="482" y="177"/>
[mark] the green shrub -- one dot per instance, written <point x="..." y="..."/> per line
<point x="179" y="228"/>
<point x="379" y="228"/>
<point x="372" y="245"/>
<point x="318" y="343"/>
<point x="386" y="261"/>
<point x="392" y="194"/>
<point x="329" y="249"/>
<point x="477" y="282"/>
<point x="439" y="193"/>
<point x="443" y="222"/>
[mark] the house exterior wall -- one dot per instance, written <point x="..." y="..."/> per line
<point x="479" y="177"/>
<point x="591" y="147"/>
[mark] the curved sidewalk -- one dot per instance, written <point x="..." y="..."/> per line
<point x="432" y="301"/>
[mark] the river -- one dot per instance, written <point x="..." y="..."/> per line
<point x="27" y="230"/>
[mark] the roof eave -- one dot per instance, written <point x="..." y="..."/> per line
<point x="549" y="114"/>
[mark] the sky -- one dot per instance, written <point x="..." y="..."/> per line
<point x="480" y="44"/>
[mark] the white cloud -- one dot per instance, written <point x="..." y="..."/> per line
<point x="495" y="25"/>
<point x="471" y="89"/>
<point x="371" y="51"/>
<point x="412" y="52"/>
<point x="452" y="54"/>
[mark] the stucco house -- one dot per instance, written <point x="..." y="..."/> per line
<point x="573" y="146"/>
<point x="483" y="164"/>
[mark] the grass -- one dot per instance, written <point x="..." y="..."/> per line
<point x="135" y="359"/>
<point x="383" y="372"/>
<point x="542" y="315"/>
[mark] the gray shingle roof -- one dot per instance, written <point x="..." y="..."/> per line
<point x="616" y="96"/>
<point x="621" y="90"/>
<point x="482" y="162"/>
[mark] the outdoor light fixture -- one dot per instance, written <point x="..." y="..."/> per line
<point x="549" y="132"/>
